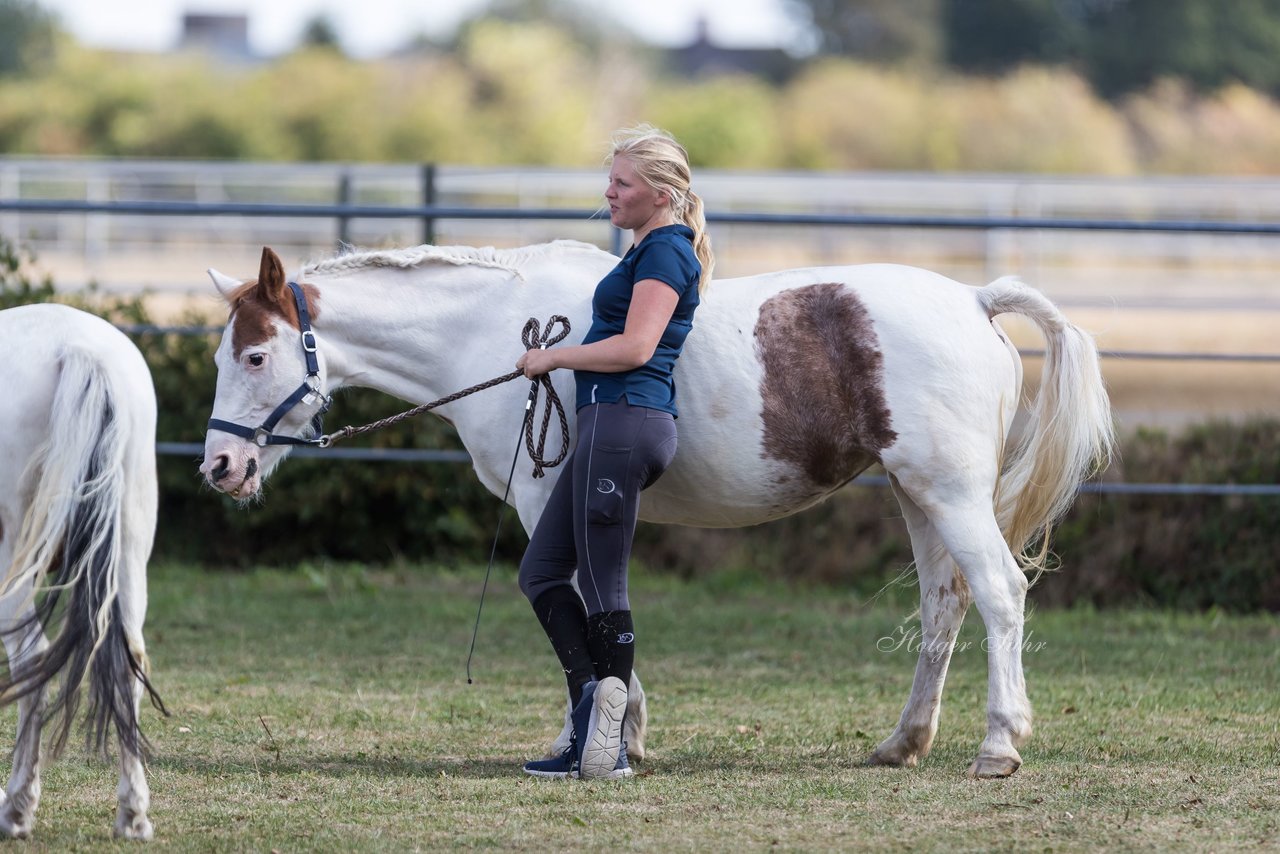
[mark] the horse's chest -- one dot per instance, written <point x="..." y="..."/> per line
<point x="824" y="411"/>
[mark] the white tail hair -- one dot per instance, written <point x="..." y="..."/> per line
<point x="1068" y="434"/>
<point x="70" y="549"/>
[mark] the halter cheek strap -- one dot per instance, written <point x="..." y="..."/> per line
<point x="308" y="392"/>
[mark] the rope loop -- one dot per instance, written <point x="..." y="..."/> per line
<point x="534" y="337"/>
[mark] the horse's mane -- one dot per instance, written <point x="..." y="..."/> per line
<point x="510" y="260"/>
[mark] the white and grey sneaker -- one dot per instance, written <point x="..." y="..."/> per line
<point x="603" y="753"/>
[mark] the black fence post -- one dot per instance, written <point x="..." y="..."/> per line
<point x="344" y="198"/>
<point x="428" y="201"/>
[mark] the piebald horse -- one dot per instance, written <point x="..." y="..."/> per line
<point x="77" y="518"/>
<point x="790" y="385"/>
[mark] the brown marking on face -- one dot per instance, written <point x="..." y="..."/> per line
<point x="823" y="388"/>
<point x="257" y="305"/>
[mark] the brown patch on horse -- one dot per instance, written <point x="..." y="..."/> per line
<point x="823" y="388"/>
<point x="257" y="305"/>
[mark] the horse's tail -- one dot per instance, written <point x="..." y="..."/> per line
<point x="68" y="561"/>
<point x="1068" y="435"/>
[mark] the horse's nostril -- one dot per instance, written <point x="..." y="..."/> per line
<point x="220" y="470"/>
<point x="251" y="469"/>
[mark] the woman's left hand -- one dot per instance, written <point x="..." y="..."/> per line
<point x="535" y="363"/>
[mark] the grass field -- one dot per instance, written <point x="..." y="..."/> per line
<point x="328" y="709"/>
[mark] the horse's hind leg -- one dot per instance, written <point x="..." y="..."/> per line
<point x="22" y="794"/>
<point x="999" y="589"/>
<point x="133" y="795"/>
<point x="944" y="598"/>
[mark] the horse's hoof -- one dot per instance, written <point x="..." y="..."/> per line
<point x="15" y="829"/>
<point x="902" y="749"/>
<point x="138" y="828"/>
<point x="882" y="758"/>
<point x="634" y="732"/>
<point x="993" y="767"/>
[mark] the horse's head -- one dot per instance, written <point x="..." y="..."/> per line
<point x="271" y="379"/>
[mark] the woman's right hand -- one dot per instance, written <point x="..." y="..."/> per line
<point x="535" y="363"/>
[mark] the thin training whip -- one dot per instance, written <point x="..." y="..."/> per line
<point x="534" y="338"/>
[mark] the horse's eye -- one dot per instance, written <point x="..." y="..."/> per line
<point x="257" y="359"/>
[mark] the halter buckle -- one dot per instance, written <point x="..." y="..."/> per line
<point x="308" y="341"/>
<point x="262" y="437"/>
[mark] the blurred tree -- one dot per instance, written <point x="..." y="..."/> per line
<point x="726" y="122"/>
<point x="583" y="24"/>
<point x="994" y="36"/>
<point x="1132" y="43"/>
<point x="533" y="92"/>
<point x="321" y="33"/>
<point x="875" y="30"/>
<point x="27" y="37"/>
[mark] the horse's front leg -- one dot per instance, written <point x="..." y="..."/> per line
<point x="999" y="589"/>
<point x="944" y="598"/>
<point x="22" y="795"/>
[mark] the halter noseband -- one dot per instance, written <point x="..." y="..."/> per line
<point x="308" y="392"/>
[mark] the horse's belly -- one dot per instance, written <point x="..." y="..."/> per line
<point x="738" y="492"/>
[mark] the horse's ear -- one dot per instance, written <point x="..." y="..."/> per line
<point x="271" y="280"/>
<point x="224" y="283"/>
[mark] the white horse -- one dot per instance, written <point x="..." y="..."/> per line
<point x="790" y="385"/>
<point x="77" y="518"/>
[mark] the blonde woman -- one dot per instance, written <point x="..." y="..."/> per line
<point x="626" y="408"/>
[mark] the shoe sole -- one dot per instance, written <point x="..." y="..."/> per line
<point x="550" y="775"/>
<point x="604" y="732"/>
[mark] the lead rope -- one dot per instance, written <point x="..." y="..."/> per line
<point x="534" y="338"/>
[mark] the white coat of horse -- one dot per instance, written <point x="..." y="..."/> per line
<point x="790" y="384"/>
<point x="77" y="519"/>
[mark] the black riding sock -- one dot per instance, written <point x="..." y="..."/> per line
<point x="564" y="619"/>
<point x="611" y="640"/>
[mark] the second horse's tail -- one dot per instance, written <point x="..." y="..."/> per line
<point x="68" y="561"/>
<point x="1068" y="434"/>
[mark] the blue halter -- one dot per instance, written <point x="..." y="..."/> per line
<point x="308" y="392"/>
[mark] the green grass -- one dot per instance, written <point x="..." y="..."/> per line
<point x="329" y="710"/>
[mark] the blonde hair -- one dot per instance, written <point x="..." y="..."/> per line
<point x="663" y="164"/>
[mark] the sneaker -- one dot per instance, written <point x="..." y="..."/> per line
<point x="565" y="766"/>
<point x="621" y="770"/>
<point x="557" y="767"/>
<point x="580" y="717"/>
<point x="601" y="739"/>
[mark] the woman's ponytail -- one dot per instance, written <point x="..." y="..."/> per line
<point x="696" y="219"/>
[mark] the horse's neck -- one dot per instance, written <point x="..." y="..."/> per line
<point x="419" y="334"/>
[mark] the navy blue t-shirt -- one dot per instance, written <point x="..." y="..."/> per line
<point x="665" y="254"/>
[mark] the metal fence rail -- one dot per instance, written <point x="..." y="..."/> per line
<point x="434" y="212"/>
